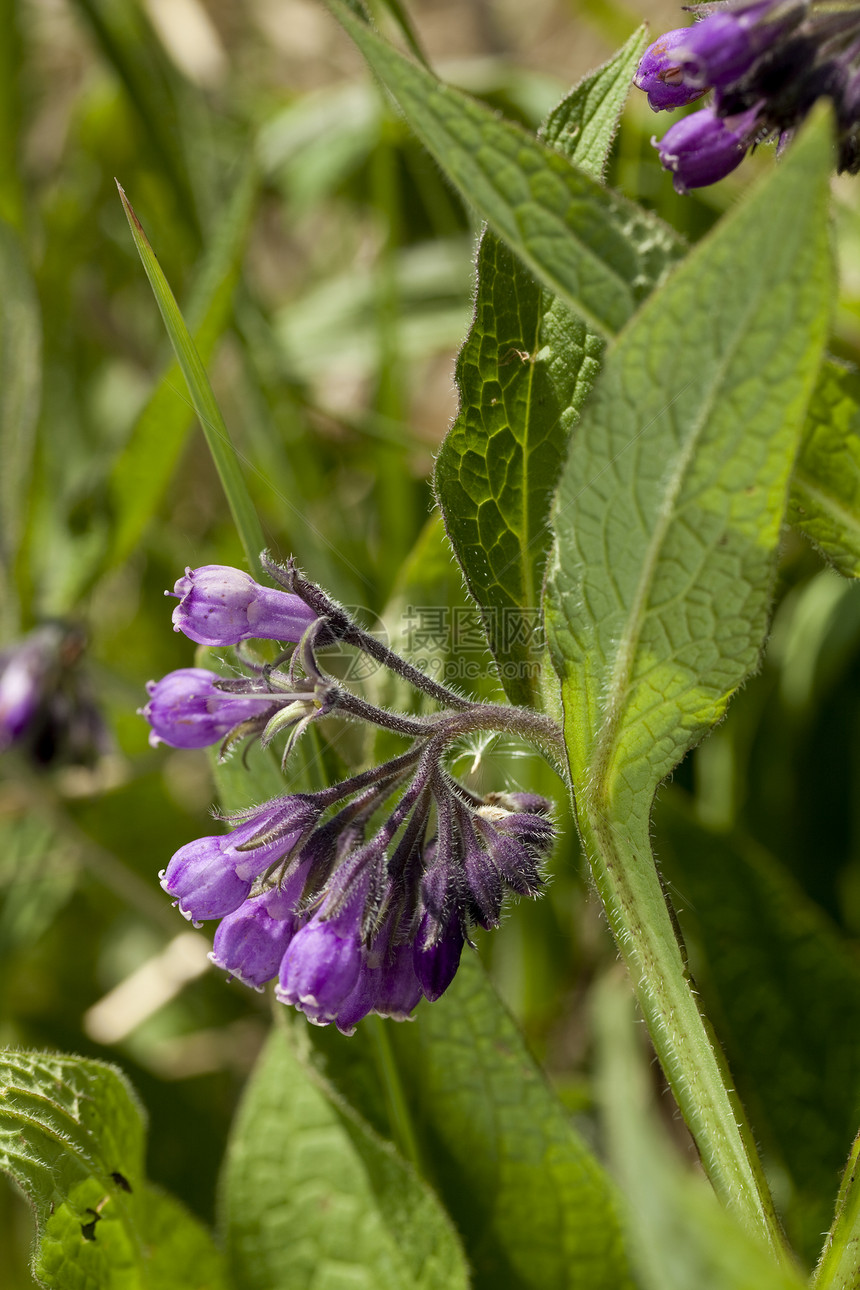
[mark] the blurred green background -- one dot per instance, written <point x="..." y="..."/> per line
<point x="326" y="270"/>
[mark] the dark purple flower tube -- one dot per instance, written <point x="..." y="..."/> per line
<point x="721" y="50"/>
<point x="223" y="606"/>
<point x="186" y="708"/>
<point x="661" y="75"/>
<point x="702" y="148"/>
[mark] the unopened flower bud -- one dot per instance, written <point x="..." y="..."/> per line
<point x="219" y="605"/>
<point x="702" y="148"/>
<point x="661" y="75"/>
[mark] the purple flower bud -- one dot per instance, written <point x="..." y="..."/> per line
<point x="212" y="876"/>
<point x="21" y="686"/>
<point x="436" y="965"/>
<point x="203" y="881"/>
<point x="223" y="606"/>
<point x="702" y="148"/>
<point x="186" y="708"/>
<point x="723" y="48"/>
<point x="250" y="942"/>
<point x="321" y="966"/>
<point x="661" y="75"/>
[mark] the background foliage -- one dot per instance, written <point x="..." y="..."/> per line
<point x="325" y="269"/>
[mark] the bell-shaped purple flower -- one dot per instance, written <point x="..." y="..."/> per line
<point x="321" y="966"/>
<point x="212" y="876"/>
<point x="703" y="147"/>
<point x="219" y="605"/>
<point x="251" y="942"/>
<point x="203" y="880"/>
<point x="661" y="75"/>
<point x="721" y="49"/>
<point x="187" y="709"/>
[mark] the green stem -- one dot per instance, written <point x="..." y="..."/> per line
<point x="629" y="886"/>
<point x="202" y="396"/>
<point x="839" y="1267"/>
<point x="395" y="1100"/>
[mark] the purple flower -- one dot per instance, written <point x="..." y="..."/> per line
<point x="212" y="876"/>
<point x="22" y="678"/>
<point x="251" y="941"/>
<point x="661" y="75"/>
<point x="724" y="47"/>
<point x="188" y="709"/>
<point x="703" y="147"/>
<point x="322" y="964"/>
<point x="223" y="606"/>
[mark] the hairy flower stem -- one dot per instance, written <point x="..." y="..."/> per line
<point x="342" y="628"/>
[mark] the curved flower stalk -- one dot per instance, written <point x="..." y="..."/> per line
<point x="358" y="898"/>
<point x="767" y="63"/>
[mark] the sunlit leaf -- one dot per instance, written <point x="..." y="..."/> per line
<point x="523" y="374"/>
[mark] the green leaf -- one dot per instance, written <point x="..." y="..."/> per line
<point x="825" y="487"/>
<point x="781" y="984"/>
<point x="600" y="253"/>
<point x="312" y="1197"/>
<point x="533" y="1205"/>
<point x="205" y="405"/>
<point x="668" y="519"/>
<point x="146" y="464"/>
<point x="839" y="1268"/>
<point x="681" y="1236"/>
<point x="523" y="374"/>
<point x="20" y="387"/>
<point x="72" y="1138"/>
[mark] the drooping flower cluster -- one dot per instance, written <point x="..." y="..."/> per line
<point x="357" y="898"/>
<point x="767" y="63"/>
<point x="46" y="710"/>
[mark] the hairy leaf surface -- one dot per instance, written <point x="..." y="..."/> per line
<point x="599" y="252"/>
<point x="313" y="1196"/>
<point x="72" y="1138"/>
<point x="522" y="374"/>
<point x="670" y="505"/>
<point x="825" y="486"/>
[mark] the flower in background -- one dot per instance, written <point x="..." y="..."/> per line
<point x="360" y="897"/>
<point x="767" y="64"/>
<point x="46" y="710"/>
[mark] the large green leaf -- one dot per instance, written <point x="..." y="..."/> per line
<point x="668" y="519"/>
<point x="20" y="384"/>
<point x="72" y="1138"/>
<point x="523" y="373"/>
<point x="825" y="486"/>
<point x="534" y="1206"/>
<point x="313" y="1197"/>
<point x="681" y="1236"/>
<point x="783" y="987"/>
<point x="600" y="253"/>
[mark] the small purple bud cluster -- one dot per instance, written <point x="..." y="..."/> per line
<point x="358" y="898"/>
<point x="767" y="62"/>
<point x="46" y="710"/>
